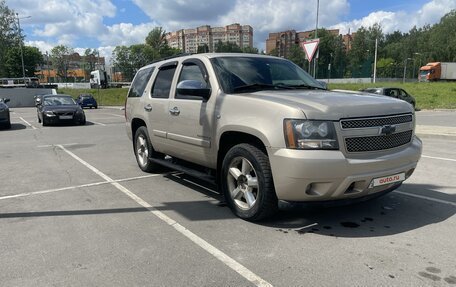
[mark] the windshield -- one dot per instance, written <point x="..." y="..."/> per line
<point x="243" y="74"/>
<point x="58" y="101"/>
<point x="424" y="73"/>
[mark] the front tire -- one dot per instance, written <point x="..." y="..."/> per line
<point x="144" y="151"/>
<point x="247" y="183"/>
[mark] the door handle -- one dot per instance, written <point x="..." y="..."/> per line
<point x="174" y="111"/>
<point x="148" y="108"/>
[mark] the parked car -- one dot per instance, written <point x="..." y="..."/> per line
<point x="392" y="92"/>
<point x="264" y="130"/>
<point x="87" y="101"/>
<point x="5" y="120"/>
<point x="53" y="109"/>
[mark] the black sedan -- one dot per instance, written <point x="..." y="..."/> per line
<point x="392" y="92"/>
<point x="5" y="120"/>
<point x="53" y="109"/>
<point x="87" y="101"/>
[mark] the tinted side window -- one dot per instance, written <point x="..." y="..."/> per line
<point x="140" y="82"/>
<point x="162" y="85"/>
<point x="191" y="72"/>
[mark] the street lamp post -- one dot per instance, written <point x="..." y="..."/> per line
<point x="20" y="44"/>
<point x="405" y="69"/>
<point x="316" y="36"/>
<point x="418" y="54"/>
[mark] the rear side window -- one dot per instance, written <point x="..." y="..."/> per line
<point x="162" y="85"/>
<point x="140" y="82"/>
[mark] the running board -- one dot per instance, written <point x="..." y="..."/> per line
<point x="192" y="172"/>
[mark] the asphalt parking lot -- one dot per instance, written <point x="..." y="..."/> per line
<point x="75" y="210"/>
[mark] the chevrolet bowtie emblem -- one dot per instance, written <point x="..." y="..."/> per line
<point x="387" y="130"/>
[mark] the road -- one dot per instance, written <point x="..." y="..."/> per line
<point x="75" y="210"/>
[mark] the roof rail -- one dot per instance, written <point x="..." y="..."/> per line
<point x="172" y="57"/>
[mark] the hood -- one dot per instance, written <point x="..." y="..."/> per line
<point x="62" y="108"/>
<point x="330" y="105"/>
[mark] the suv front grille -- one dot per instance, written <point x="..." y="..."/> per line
<point x="376" y="143"/>
<point x="375" y="122"/>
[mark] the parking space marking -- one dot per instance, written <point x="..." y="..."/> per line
<point x="27" y="123"/>
<point x="75" y="187"/>
<point x="120" y="116"/>
<point x="228" y="261"/>
<point x="425" y="197"/>
<point x="97" y="123"/>
<point x="439" y="158"/>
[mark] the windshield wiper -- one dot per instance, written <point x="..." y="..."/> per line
<point x="305" y="86"/>
<point x="260" y="86"/>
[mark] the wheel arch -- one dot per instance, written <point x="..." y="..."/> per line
<point x="135" y="124"/>
<point x="230" y="138"/>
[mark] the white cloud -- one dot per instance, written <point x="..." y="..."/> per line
<point x="403" y="21"/>
<point x="81" y="22"/>
<point x="126" y="34"/>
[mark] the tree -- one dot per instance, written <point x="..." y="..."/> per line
<point x="227" y="47"/>
<point x="157" y="39"/>
<point x="250" y="50"/>
<point x="89" y="61"/>
<point x="202" y="49"/>
<point x="9" y="35"/>
<point x="60" y="57"/>
<point x="13" y="63"/>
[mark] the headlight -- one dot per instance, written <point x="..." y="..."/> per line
<point x="49" y="114"/>
<point x="307" y="134"/>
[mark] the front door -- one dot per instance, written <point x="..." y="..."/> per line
<point x="191" y="118"/>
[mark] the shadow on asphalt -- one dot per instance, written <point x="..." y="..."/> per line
<point x="14" y="127"/>
<point x="390" y="214"/>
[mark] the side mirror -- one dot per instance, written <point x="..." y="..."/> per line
<point x="37" y="101"/>
<point x="194" y="88"/>
<point x="5" y="100"/>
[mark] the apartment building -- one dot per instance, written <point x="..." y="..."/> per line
<point x="281" y="42"/>
<point x="188" y="40"/>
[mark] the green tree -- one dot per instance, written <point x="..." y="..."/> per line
<point x="61" y="60"/>
<point x="202" y="49"/>
<point x="227" y="47"/>
<point x="157" y="39"/>
<point x="122" y="62"/>
<point x="89" y="62"/>
<point x="297" y="55"/>
<point x="10" y="35"/>
<point x="250" y="50"/>
<point x="13" y="63"/>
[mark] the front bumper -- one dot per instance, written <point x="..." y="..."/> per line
<point x="76" y="118"/>
<point x="319" y="175"/>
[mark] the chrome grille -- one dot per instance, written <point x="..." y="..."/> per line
<point x="375" y="122"/>
<point x="376" y="143"/>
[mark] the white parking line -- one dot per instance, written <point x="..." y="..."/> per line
<point x="97" y="123"/>
<point x="74" y="187"/>
<point x="425" y="197"/>
<point x="27" y="123"/>
<point x="120" y="116"/>
<point x="230" y="262"/>
<point x="439" y="158"/>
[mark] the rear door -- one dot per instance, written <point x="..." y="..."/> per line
<point x="156" y="107"/>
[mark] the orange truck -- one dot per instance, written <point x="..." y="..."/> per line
<point x="438" y="71"/>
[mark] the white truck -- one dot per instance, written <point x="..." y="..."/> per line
<point x="98" y="79"/>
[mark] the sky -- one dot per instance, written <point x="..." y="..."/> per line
<point x="105" y="24"/>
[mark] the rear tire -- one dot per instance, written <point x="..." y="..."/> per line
<point x="144" y="151"/>
<point x="247" y="183"/>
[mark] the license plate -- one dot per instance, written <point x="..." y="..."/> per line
<point x="66" y="117"/>
<point x="387" y="180"/>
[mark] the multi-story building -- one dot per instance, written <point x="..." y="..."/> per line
<point x="188" y="40"/>
<point x="281" y="42"/>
